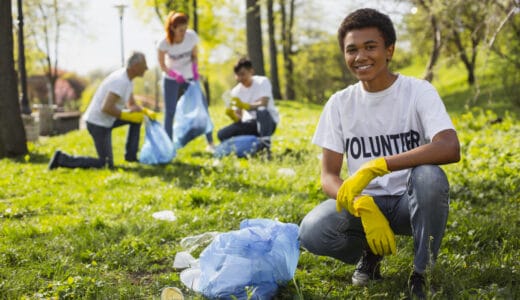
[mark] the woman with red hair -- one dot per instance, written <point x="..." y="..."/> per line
<point x="177" y="55"/>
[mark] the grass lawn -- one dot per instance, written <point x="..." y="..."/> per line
<point x="90" y="234"/>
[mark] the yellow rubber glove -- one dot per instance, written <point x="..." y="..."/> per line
<point x="150" y="113"/>
<point x="355" y="184"/>
<point x="132" y="116"/>
<point x="232" y="115"/>
<point x="380" y="236"/>
<point x="235" y="101"/>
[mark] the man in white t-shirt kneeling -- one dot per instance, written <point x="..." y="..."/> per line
<point x="112" y="105"/>
<point x="252" y="105"/>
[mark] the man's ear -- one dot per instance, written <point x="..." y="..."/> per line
<point x="390" y="52"/>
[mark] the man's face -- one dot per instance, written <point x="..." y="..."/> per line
<point x="366" y="55"/>
<point x="141" y="67"/>
<point x="245" y="76"/>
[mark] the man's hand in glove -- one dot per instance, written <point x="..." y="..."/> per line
<point x="380" y="236"/>
<point x="235" y="101"/>
<point x="149" y="113"/>
<point x="132" y="116"/>
<point x="232" y="115"/>
<point x="355" y="184"/>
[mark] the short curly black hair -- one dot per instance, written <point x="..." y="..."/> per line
<point x="364" y="18"/>
<point x="243" y="62"/>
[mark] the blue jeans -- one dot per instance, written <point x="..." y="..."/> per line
<point x="102" y="137"/>
<point x="263" y="126"/>
<point x="422" y="212"/>
<point x="173" y="91"/>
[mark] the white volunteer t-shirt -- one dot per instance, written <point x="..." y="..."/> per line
<point x="118" y="83"/>
<point x="178" y="56"/>
<point x="366" y="125"/>
<point x="261" y="87"/>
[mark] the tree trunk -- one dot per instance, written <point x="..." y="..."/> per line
<point x="436" y="38"/>
<point x="287" y="25"/>
<point x="436" y="48"/>
<point x="195" y="17"/>
<point x="273" y="53"/>
<point x="469" y="64"/>
<point x="12" y="132"/>
<point x="254" y="36"/>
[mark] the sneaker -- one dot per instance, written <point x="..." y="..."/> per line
<point x="55" y="160"/>
<point x="131" y="159"/>
<point x="416" y="286"/>
<point x="210" y="148"/>
<point x="368" y="268"/>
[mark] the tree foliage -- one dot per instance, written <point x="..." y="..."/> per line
<point x="460" y="29"/>
<point x="48" y="19"/>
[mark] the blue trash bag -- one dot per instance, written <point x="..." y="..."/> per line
<point x="241" y="146"/>
<point x="157" y="147"/>
<point x="191" y="116"/>
<point x="260" y="256"/>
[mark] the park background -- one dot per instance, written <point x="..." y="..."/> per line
<point x="89" y="233"/>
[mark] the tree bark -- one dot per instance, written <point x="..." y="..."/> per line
<point x="468" y="63"/>
<point x="273" y="52"/>
<point x="436" y="39"/>
<point x="254" y="36"/>
<point x="287" y="26"/>
<point x="12" y="132"/>
<point x="436" y="48"/>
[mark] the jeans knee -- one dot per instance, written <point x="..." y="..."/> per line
<point x="305" y="232"/>
<point x="429" y="175"/>
<point x="429" y="183"/>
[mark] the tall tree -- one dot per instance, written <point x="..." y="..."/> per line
<point x="254" y="36"/>
<point x="12" y="132"/>
<point x="273" y="52"/>
<point x="436" y="38"/>
<point x="467" y="23"/>
<point x="51" y="26"/>
<point x="458" y="27"/>
<point x="287" y="44"/>
<point x="510" y="25"/>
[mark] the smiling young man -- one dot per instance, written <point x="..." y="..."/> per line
<point x="394" y="132"/>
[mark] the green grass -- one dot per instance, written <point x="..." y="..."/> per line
<point x="89" y="234"/>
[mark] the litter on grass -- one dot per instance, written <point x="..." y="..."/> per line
<point x="165" y="215"/>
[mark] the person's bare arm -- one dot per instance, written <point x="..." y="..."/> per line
<point x="160" y="59"/>
<point x="195" y="54"/>
<point x="109" y="105"/>
<point x="330" y="172"/>
<point x="443" y="149"/>
<point x="259" y="103"/>
<point x="132" y="104"/>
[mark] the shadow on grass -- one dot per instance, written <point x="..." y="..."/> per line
<point x="34" y="158"/>
<point x="183" y="173"/>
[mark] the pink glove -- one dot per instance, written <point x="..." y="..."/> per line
<point x="176" y="75"/>
<point x="195" y="69"/>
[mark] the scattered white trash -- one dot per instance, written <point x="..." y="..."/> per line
<point x="166" y="215"/>
<point x="184" y="260"/>
<point x="287" y="172"/>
